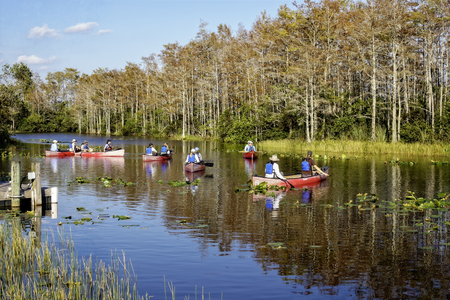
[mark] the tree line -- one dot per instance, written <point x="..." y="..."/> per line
<point x="332" y="69"/>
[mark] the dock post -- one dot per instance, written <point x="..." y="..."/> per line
<point x="15" y="182"/>
<point x="36" y="194"/>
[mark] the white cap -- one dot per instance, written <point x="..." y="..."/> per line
<point x="74" y="140"/>
<point x="55" y="141"/>
<point x="192" y="150"/>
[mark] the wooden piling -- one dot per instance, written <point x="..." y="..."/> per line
<point x="15" y="182"/>
<point x="36" y="194"/>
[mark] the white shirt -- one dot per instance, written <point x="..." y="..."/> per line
<point x="247" y="148"/>
<point x="73" y="146"/>
<point x="54" y="147"/>
<point x="199" y="155"/>
<point x="276" y="172"/>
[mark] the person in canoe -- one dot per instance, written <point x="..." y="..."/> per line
<point x="108" y="146"/>
<point x="85" y="147"/>
<point x="192" y="158"/>
<point x="73" y="146"/>
<point x="199" y="155"/>
<point x="54" y="146"/>
<point x="249" y="147"/>
<point x="272" y="168"/>
<point x="309" y="167"/>
<point x="165" y="149"/>
<point x="151" y="150"/>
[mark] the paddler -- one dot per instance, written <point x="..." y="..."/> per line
<point x="54" y="146"/>
<point x="151" y="150"/>
<point x="249" y="147"/>
<point x="309" y="167"/>
<point x="108" y="146"/>
<point x="192" y="158"/>
<point x="199" y="155"/>
<point x="272" y="168"/>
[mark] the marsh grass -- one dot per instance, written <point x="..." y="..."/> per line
<point x="51" y="270"/>
<point x="32" y="270"/>
<point x="357" y="147"/>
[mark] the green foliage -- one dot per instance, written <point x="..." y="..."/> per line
<point x="236" y="130"/>
<point x="342" y="126"/>
<point x="416" y="131"/>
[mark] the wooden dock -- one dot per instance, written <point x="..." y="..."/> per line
<point x="15" y="194"/>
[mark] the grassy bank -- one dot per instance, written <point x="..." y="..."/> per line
<point x="353" y="147"/>
<point x="31" y="270"/>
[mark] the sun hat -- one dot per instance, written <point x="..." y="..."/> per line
<point x="165" y="144"/>
<point x="197" y="148"/>
<point x="274" y="158"/>
<point x="74" y="140"/>
<point x="249" y="142"/>
<point x="192" y="150"/>
<point x="85" y="142"/>
<point x="55" y="141"/>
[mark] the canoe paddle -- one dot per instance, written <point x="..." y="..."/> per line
<point x="289" y="183"/>
<point x="208" y="164"/>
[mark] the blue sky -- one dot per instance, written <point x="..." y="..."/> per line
<point x="50" y="36"/>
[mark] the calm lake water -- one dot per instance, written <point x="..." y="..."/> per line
<point x="328" y="250"/>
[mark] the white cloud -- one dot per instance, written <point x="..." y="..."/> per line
<point x="40" y="32"/>
<point x="103" y="31"/>
<point x="1" y="61"/>
<point x="43" y="68"/>
<point x="81" y="27"/>
<point x="34" y="60"/>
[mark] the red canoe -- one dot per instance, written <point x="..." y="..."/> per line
<point x="59" y="153"/>
<point x="296" y="180"/>
<point x="193" y="167"/>
<point x="251" y="155"/>
<point x="147" y="157"/>
<point x="113" y="153"/>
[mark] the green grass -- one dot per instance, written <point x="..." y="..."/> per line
<point x="356" y="147"/>
<point x="32" y="270"/>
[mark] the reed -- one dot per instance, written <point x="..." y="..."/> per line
<point x="356" y="147"/>
<point x="32" y="270"/>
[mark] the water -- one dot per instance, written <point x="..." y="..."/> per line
<point x="331" y="252"/>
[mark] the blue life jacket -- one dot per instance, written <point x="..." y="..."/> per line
<point x="269" y="168"/>
<point x="305" y="165"/>
<point x="149" y="150"/>
<point x="192" y="158"/>
<point x="163" y="149"/>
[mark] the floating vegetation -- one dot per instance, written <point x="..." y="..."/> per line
<point x="261" y="188"/>
<point x="186" y="224"/>
<point x="398" y="162"/>
<point x="178" y="183"/>
<point x="277" y="246"/>
<point x="121" y="217"/>
<point x="81" y="209"/>
<point x="81" y="180"/>
<point x="438" y="163"/>
<point x="108" y="181"/>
